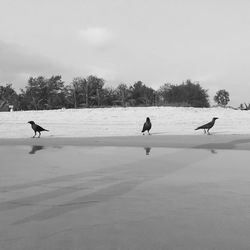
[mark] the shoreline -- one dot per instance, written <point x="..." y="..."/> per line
<point x="237" y="142"/>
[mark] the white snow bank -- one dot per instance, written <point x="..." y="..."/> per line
<point x="123" y="121"/>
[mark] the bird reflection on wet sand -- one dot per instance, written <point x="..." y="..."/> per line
<point x="35" y="148"/>
<point x="147" y="150"/>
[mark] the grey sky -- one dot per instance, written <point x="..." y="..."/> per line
<point x="128" y="40"/>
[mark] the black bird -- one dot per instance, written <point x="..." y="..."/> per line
<point x="37" y="128"/>
<point x="147" y="126"/>
<point x="208" y="126"/>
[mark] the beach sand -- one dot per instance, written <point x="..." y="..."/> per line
<point x="147" y="192"/>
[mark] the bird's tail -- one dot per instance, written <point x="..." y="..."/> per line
<point x="46" y="130"/>
<point x="198" y="128"/>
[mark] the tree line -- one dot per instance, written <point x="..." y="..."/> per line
<point x="43" y="93"/>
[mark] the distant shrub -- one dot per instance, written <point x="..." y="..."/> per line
<point x="222" y="97"/>
<point x="188" y="94"/>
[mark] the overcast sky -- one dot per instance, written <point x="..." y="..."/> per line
<point x="155" y="41"/>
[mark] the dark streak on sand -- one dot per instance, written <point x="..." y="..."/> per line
<point x="105" y="184"/>
<point x="171" y="141"/>
<point x="124" y="180"/>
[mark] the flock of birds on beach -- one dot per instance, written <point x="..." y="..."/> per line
<point x="146" y="127"/>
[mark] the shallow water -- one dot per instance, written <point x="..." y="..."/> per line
<point x="123" y="198"/>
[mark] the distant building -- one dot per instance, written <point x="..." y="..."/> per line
<point x="11" y="108"/>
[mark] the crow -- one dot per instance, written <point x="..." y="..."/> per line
<point x="147" y="126"/>
<point x="36" y="128"/>
<point x="208" y="126"/>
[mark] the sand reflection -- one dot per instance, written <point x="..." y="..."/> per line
<point x="35" y="148"/>
<point x="147" y="150"/>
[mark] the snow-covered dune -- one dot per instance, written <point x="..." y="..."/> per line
<point x="123" y="121"/>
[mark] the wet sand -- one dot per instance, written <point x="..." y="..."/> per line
<point x="241" y="142"/>
<point x="148" y="192"/>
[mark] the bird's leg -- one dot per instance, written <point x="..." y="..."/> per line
<point x="39" y="134"/>
<point x="149" y="133"/>
<point x="34" y="135"/>
<point x="208" y="132"/>
<point x="204" y="131"/>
